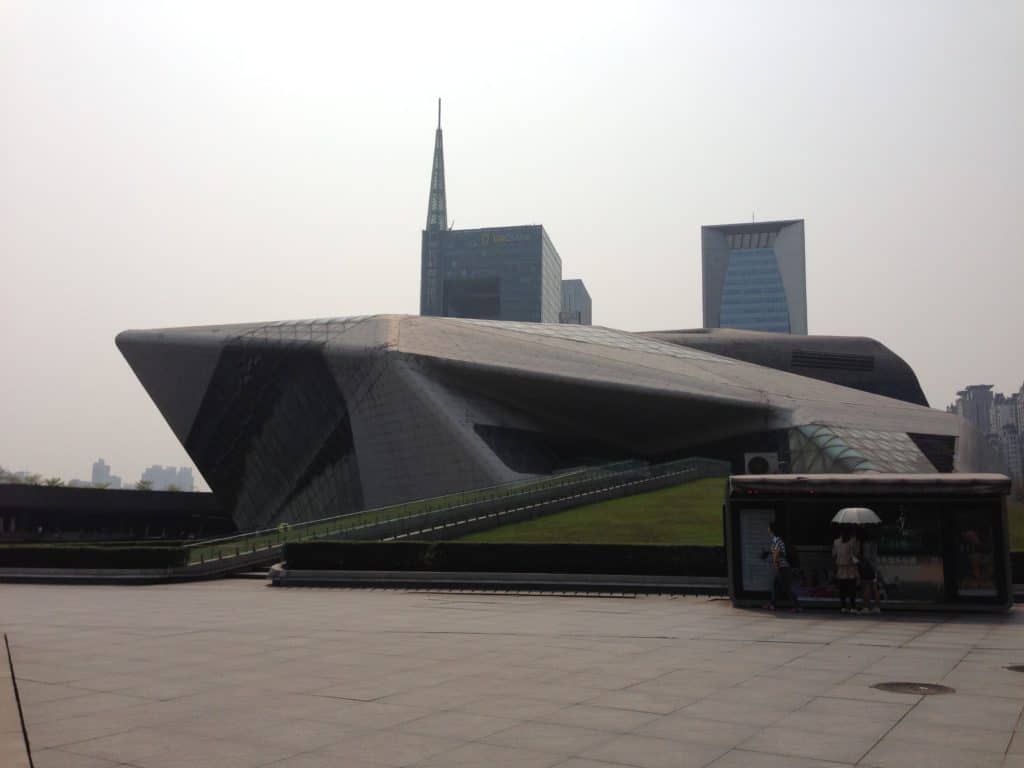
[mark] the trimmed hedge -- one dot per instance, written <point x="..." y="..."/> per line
<point x="66" y="556"/>
<point x="619" y="559"/>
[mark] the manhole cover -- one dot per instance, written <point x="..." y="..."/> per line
<point x="1016" y="667"/>
<point x="917" y="689"/>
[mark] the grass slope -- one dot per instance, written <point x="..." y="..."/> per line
<point x="690" y="513"/>
<point x="684" y="514"/>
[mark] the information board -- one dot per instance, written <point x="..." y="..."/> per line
<point x="757" y="570"/>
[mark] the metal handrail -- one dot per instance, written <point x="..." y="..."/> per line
<point x="668" y="469"/>
<point x="268" y="538"/>
<point x="517" y="493"/>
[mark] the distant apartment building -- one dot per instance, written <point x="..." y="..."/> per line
<point x="1010" y="439"/>
<point x="754" y="276"/>
<point x="974" y="403"/>
<point x="102" y="477"/>
<point x="1004" y="411"/>
<point x="1000" y="418"/>
<point x="576" y="303"/>
<point x="1020" y="408"/>
<point x="164" y="478"/>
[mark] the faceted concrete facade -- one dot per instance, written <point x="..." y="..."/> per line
<point x="298" y="420"/>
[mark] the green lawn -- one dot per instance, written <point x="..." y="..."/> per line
<point x="690" y="513"/>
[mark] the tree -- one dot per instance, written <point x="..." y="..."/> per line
<point x="173" y="487"/>
<point x="33" y="479"/>
<point x="53" y="482"/>
<point x="144" y="485"/>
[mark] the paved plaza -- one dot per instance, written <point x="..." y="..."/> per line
<point x="237" y="674"/>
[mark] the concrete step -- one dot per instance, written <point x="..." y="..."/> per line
<point x="261" y="575"/>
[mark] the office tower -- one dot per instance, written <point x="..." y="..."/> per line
<point x="754" y="276"/>
<point x="493" y="273"/>
<point x="431" y="277"/>
<point x="576" y="304"/>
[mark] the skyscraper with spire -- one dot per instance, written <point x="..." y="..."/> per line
<point x="431" y="277"/>
<point x="437" y="207"/>
<point x="495" y="273"/>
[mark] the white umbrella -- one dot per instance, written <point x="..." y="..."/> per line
<point x="856" y="516"/>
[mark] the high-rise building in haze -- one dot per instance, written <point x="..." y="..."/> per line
<point x="754" y="276"/>
<point x="974" y="403"/>
<point x="495" y="273"/>
<point x="576" y="307"/>
<point x="101" y="475"/>
<point x="1000" y="419"/>
<point x="163" y="478"/>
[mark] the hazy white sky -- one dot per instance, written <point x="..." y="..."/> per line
<point x="185" y="163"/>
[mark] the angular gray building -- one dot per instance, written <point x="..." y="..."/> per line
<point x="577" y="307"/>
<point x="754" y="276"/>
<point x="298" y="420"/>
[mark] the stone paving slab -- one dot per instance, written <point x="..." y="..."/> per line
<point x="235" y="674"/>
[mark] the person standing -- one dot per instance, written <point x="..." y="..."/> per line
<point x="783" y="575"/>
<point x="844" y="550"/>
<point x="868" y="571"/>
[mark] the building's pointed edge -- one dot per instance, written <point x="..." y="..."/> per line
<point x="175" y="369"/>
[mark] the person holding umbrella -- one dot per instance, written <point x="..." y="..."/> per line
<point x="868" y="572"/>
<point x="846" y="551"/>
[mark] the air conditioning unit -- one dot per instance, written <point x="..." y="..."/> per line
<point x="761" y="463"/>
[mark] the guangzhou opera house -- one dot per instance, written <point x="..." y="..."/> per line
<point x="297" y="420"/>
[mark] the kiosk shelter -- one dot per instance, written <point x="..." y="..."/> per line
<point x="942" y="542"/>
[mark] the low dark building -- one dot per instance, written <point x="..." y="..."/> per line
<point x="43" y="513"/>
<point x="851" y="361"/>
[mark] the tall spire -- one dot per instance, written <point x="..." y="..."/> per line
<point x="437" y="207"/>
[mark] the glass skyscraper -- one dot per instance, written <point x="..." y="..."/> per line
<point x="496" y="273"/>
<point x="500" y="273"/>
<point x="754" y="276"/>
